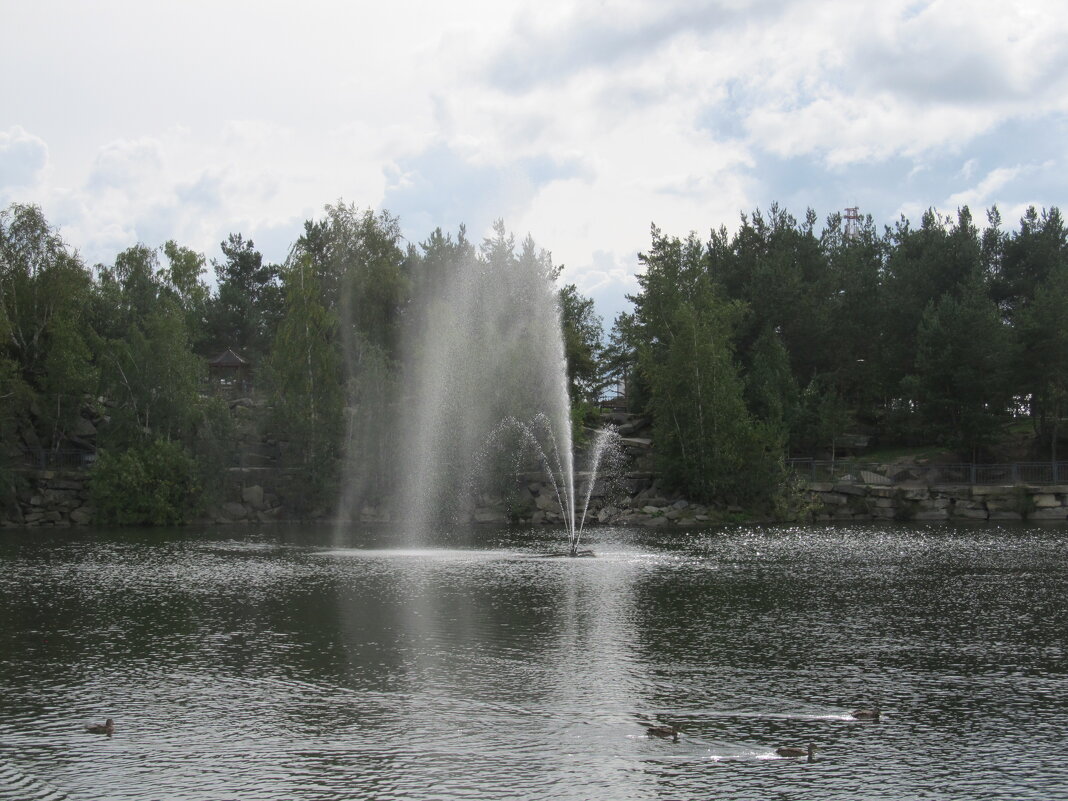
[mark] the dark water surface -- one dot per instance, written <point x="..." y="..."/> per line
<point x="302" y="663"/>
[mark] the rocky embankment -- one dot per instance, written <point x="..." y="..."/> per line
<point x="257" y="489"/>
<point x="50" y="498"/>
<point x="860" y="501"/>
<point x="61" y="499"/>
<point x="635" y="499"/>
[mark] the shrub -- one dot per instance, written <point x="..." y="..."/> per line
<point x="151" y="484"/>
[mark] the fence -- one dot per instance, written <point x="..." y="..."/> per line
<point x="852" y="472"/>
<point x="72" y="459"/>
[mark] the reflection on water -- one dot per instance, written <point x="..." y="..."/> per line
<point x="303" y="664"/>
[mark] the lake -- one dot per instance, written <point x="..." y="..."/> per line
<point x="303" y="662"/>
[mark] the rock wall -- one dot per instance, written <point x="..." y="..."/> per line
<point x="961" y="502"/>
<point x="52" y="498"/>
<point x="644" y="502"/>
<point x="56" y="498"/>
<point x="251" y="495"/>
<point x="636" y="499"/>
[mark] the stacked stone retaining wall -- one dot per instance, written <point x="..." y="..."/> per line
<point x="255" y="495"/>
<point x="56" y="498"/>
<point x="850" y="501"/>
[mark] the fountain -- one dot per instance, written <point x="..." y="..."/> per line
<point x="534" y="436"/>
<point x="484" y="366"/>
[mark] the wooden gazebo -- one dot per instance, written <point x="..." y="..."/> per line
<point x="231" y="369"/>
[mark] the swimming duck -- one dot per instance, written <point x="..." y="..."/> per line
<point x="793" y="751"/>
<point x="663" y="730"/>
<point x="866" y="714"/>
<point x="102" y="728"/>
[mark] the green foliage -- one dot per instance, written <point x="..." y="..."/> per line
<point x="305" y="378"/>
<point x="853" y="339"/>
<point x="151" y="484"/>
<point x="45" y="362"/>
<point x="621" y="361"/>
<point x="70" y="376"/>
<point x="1023" y="263"/>
<point x="779" y="270"/>
<point x="40" y="281"/>
<point x="707" y="444"/>
<point x="582" y="346"/>
<point x="356" y="260"/>
<point x="153" y="376"/>
<point x="962" y="366"/>
<point x="369" y="443"/>
<point x="1034" y="284"/>
<point x="775" y="333"/>
<point x="924" y="265"/>
<point x="823" y="417"/>
<point x="932" y="332"/>
<point x="770" y="389"/>
<point x="431" y="266"/>
<point x="584" y="416"/>
<point x="214" y="443"/>
<point x="182" y="280"/>
<point x="15" y="400"/>
<point x="246" y="310"/>
<point x="143" y="348"/>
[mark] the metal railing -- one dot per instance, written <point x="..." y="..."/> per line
<point x="852" y="472"/>
<point x="64" y="459"/>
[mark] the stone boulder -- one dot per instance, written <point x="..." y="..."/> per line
<point x="234" y="511"/>
<point x="868" y="477"/>
<point x="655" y="522"/>
<point x="82" y="516"/>
<point x="633" y="426"/>
<point x="488" y="515"/>
<point x="253" y="496"/>
<point x="608" y="514"/>
<point x="546" y="502"/>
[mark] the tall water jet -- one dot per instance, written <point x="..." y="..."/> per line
<point x="485" y="346"/>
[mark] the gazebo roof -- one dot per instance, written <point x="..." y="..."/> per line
<point x="229" y="359"/>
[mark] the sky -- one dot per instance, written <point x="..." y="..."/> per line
<point x="578" y="123"/>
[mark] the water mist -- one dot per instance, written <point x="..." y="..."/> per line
<point x="485" y="350"/>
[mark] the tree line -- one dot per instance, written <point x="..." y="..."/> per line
<point x="128" y="343"/>
<point x="779" y="339"/>
<point x="775" y="340"/>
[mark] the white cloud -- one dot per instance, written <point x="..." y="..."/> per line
<point x="985" y="192"/>
<point x="125" y="164"/>
<point x="175" y="187"/>
<point x="23" y="158"/>
<point x="911" y="210"/>
<point x="578" y="122"/>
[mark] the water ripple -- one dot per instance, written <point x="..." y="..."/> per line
<point x="296" y="664"/>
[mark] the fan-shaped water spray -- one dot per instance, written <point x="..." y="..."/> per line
<point x="537" y="441"/>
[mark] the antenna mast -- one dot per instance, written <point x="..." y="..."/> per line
<point x="852" y="222"/>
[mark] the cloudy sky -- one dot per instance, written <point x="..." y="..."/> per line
<point x="579" y="123"/>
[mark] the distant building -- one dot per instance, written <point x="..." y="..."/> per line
<point x="231" y="370"/>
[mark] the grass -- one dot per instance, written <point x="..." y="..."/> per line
<point x="1013" y="433"/>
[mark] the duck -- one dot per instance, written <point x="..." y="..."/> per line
<point x="794" y="751"/>
<point x="663" y="730"/>
<point x="107" y="727"/>
<point x="866" y="714"/>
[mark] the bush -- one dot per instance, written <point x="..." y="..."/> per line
<point x="153" y="484"/>
<point x="584" y="416"/>
<point x="214" y="445"/>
